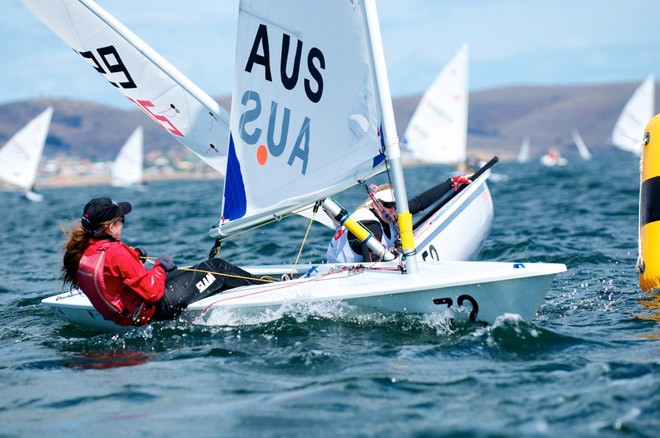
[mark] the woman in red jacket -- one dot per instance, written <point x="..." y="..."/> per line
<point x="120" y="287"/>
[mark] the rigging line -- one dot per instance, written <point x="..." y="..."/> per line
<point x="222" y="274"/>
<point x="302" y="244"/>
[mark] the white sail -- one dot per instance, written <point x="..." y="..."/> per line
<point x="139" y="73"/>
<point x="126" y="170"/>
<point x="582" y="148"/>
<point x="437" y="132"/>
<point x="523" y="153"/>
<point x="628" y="130"/>
<point x="20" y="156"/>
<point x="305" y="122"/>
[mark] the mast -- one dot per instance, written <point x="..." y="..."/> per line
<point x="390" y="136"/>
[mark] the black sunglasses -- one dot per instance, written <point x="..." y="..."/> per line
<point x="388" y="204"/>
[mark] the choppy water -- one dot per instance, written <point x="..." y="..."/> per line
<point x="588" y="365"/>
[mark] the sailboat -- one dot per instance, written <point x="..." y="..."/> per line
<point x="553" y="159"/>
<point x="138" y="72"/>
<point x="628" y="130"/>
<point x="126" y="170"/>
<point x="307" y="74"/>
<point x="523" y="153"/>
<point x="20" y="156"/>
<point x="437" y="131"/>
<point x="582" y="148"/>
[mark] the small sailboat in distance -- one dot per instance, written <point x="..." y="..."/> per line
<point x="553" y="158"/>
<point x="126" y="170"/>
<point x="20" y="156"/>
<point x="628" y="130"/>
<point x="437" y="131"/>
<point x="582" y="148"/>
<point x="523" y="153"/>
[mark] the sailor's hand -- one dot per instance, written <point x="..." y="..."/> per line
<point x="141" y="252"/>
<point x="458" y="180"/>
<point x="166" y="263"/>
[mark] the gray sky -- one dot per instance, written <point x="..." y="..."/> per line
<point x="512" y="42"/>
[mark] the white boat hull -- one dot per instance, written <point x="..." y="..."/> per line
<point x="33" y="196"/>
<point x="549" y="161"/>
<point x="458" y="230"/>
<point x="485" y="290"/>
<point x="455" y="232"/>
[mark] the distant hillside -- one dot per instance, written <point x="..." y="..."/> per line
<point x="498" y="121"/>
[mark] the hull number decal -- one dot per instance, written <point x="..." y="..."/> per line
<point x="447" y="301"/>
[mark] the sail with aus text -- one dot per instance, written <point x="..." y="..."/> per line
<point x="305" y="122"/>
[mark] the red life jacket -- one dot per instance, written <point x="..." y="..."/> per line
<point x="91" y="281"/>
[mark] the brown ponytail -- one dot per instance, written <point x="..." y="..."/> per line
<point x="77" y="242"/>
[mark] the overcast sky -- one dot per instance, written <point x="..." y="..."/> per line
<point x="512" y="42"/>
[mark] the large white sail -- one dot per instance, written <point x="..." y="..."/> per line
<point x="628" y="131"/>
<point x="20" y="156"/>
<point x="126" y="170"/>
<point x="139" y="73"/>
<point x="305" y="122"/>
<point x="581" y="146"/>
<point x="437" y="132"/>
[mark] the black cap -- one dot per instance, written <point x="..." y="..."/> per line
<point x="100" y="210"/>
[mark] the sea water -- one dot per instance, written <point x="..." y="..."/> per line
<point x="587" y="365"/>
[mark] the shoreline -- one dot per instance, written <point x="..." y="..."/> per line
<point x="79" y="181"/>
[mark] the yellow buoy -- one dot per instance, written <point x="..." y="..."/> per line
<point x="648" y="264"/>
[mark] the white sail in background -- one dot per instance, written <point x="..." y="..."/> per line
<point x="126" y="170"/>
<point x="437" y="132"/>
<point x="628" y="131"/>
<point x="20" y="156"/>
<point x="523" y="153"/>
<point x="139" y="73"/>
<point x="305" y="122"/>
<point x="581" y="146"/>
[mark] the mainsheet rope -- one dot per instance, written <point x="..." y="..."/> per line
<point x="265" y="279"/>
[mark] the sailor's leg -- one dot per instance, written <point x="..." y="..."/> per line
<point x="185" y="286"/>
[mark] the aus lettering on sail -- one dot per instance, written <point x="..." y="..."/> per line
<point x="282" y="72"/>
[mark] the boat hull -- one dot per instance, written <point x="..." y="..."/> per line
<point x="483" y="290"/>
<point x="458" y="230"/>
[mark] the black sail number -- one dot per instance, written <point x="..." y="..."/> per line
<point x="447" y="301"/>
<point x="432" y="253"/>
<point x="110" y="63"/>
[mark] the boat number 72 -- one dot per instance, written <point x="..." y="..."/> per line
<point x="459" y="301"/>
